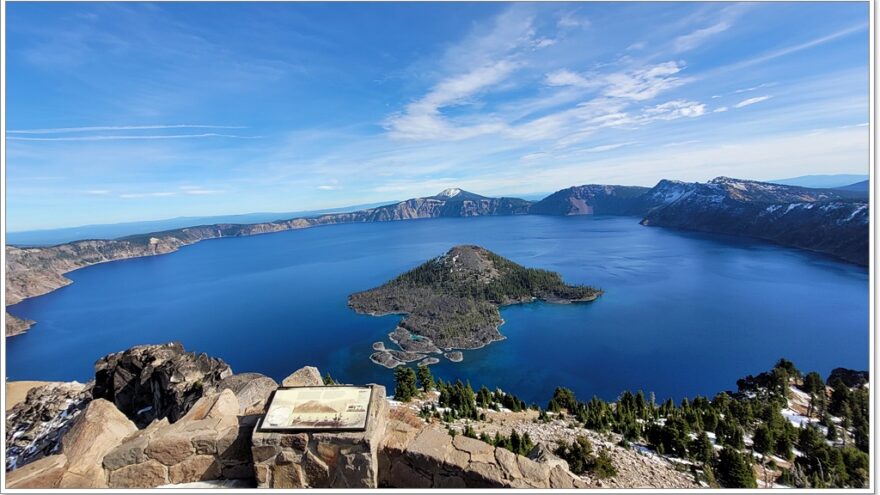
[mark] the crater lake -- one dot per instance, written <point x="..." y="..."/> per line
<point x="683" y="314"/>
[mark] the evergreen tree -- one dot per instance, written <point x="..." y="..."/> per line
<point x="732" y="470"/>
<point x="763" y="441"/>
<point x="813" y="384"/>
<point x="701" y="449"/>
<point x="426" y="379"/>
<point x="404" y="384"/>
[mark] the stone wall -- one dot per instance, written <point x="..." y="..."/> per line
<point x="210" y="442"/>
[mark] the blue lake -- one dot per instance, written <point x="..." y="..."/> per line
<point x="682" y="314"/>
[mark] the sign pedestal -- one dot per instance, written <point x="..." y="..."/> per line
<point x="304" y="456"/>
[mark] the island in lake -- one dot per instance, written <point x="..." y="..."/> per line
<point x="452" y="301"/>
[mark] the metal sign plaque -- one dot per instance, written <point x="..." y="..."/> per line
<point x="329" y="408"/>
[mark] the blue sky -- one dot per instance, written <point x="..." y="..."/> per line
<point x="130" y="111"/>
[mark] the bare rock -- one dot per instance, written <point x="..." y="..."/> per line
<point x="43" y="473"/>
<point x="97" y="431"/>
<point x="156" y="381"/>
<point x="251" y="389"/>
<point x="308" y="376"/>
<point x="35" y="427"/>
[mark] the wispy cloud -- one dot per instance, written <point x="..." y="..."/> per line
<point x="608" y="147"/>
<point x="64" y="130"/>
<point x="781" y="52"/>
<point x="157" y="194"/>
<point x="719" y="110"/>
<point x="754" y="88"/>
<point x="422" y="119"/>
<point x="696" y="38"/>
<point x="751" y="101"/>
<point x="114" y="137"/>
<point x="199" y="191"/>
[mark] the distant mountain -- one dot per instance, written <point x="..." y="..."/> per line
<point x="861" y="187"/>
<point x="49" y="237"/>
<point x="824" y="220"/>
<point x="593" y="200"/>
<point x="821" y="181"/>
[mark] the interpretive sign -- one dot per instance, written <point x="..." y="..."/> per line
<point x="329" y="408"/>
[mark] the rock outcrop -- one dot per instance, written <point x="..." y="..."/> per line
<point x="418" y="456"/>
<point x="94" y="433"/>
<point x="35" y="427"/>
<point x="16" y="325"/>
<point x="850" y="378"/>
<point x="157" y="381"/>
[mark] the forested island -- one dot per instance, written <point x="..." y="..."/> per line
<point x="451" y="302"/>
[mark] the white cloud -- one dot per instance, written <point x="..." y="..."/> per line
<point x="328" y="187"/>
<point x="608" y="147"/>
<point x="751" y="101"/>
<point x="98" y="192"/>
<point x="564" y="77"/>
<point x="720" y="109"/>
<point x="636" y="46"/>
<point x="644" y="84"/>
<point x="543" y="42"/>
<point x="696" y="38"/>
<point x="571" y="21"/>
<point x="423" y="119"/>
<point x="676" y="109"/>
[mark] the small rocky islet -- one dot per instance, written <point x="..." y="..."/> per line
<point x="452" y="302"/>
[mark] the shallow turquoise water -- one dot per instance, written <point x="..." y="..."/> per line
<point x="683" y="313"/>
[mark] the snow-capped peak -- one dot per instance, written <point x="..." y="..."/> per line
<point x="450" y="193"/>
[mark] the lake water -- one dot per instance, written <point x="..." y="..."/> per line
<point x="682" y="314"/>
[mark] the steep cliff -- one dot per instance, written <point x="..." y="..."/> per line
<point x="829" y="221"/>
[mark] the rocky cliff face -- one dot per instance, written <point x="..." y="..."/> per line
<point x="823" y="220"/>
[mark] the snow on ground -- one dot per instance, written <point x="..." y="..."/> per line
<point x="796" y="419"/>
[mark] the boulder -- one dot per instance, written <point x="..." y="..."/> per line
<point x="251" y="389"/>
<point x="95" y="432"/>
<point x="99" y="429"/>
<point x="35" y="426"/>
<point x="308" y="376"/>
<point x="157" y="381"/>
